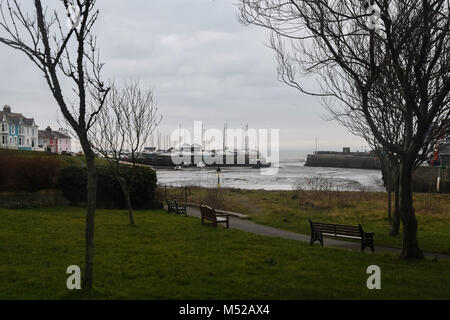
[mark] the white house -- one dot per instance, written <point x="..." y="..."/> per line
<point x="17" y="132"/>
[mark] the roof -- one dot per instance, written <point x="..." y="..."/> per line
<point x="15" y="118"/>
<point x="52" y="134"/>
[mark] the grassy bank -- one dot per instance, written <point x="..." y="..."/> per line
<point x="174" y="257"/>
<point x="290" y="210"/>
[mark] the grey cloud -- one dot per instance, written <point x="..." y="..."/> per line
<point x="202" y="63"/>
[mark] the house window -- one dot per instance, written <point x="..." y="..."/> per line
<point x="10" y="140"/>
<point x="12" y="128"/>
<point x="20" y="141"/>
<point x="4" y="140"/>
<point x="32" y="143"/>
<point x="4" y="127"/>
<point x="15" y="141"/>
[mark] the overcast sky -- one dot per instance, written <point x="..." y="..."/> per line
<point x="203" y="64"/>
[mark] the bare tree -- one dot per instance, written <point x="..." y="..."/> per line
<point x="390" y="125"/>
<point x="354" y="55"/>
<point x="125" y="124"/>
<point x="66" y="57"/>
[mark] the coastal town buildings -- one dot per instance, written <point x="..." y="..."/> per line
<point x="22" y="133"/>
<point x="17" y="131"/>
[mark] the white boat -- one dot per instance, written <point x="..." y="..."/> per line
<point x="201" y="164"/>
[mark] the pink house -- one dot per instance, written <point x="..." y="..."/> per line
<point x="55" y="141"/>
<point x="64" y="142"/>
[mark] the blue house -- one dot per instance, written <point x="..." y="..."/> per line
<point x="17" y="131"/>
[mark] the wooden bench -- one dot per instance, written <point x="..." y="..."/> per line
<point x="319" y="229"/>
<point x="171" y="207"/>
<point x="210" y="214"/>
<point x="180" y="208"/>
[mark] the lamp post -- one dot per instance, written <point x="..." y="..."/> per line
<point x="218" y="177"/>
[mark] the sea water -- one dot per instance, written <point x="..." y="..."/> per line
<point x="291" y="175"/>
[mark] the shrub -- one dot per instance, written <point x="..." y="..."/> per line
<point x="27" y="173"/>
<point x="143" y="191"/>
<point x="73" y="180"/>
<point x="214" y="198"/>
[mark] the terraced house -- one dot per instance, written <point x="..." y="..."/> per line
<point x="54" y="141"/>
<point x="17" y="131"/>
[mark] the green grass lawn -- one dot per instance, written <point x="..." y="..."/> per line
<point x="290" y="210"/>
<point x="175" y="257"/>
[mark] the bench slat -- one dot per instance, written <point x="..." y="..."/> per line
<point x="342" y="236"/>
<point x="338" y="226"/>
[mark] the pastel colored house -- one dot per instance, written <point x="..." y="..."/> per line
<point x="17" y="131"/>
<point x="55" y="141"/>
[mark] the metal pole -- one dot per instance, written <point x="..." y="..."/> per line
<point x="218" y="177"/>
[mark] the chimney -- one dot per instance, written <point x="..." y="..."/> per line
<point x="7" y="109"/>
<point x="48" y="129"/>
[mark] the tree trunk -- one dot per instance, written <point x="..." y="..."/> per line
<point x="389" y="190"/>
<point x="395" y="223"/>
<point x="410" y="245"/>
<point x="90" y="215"/>
<point x="126" y="194"/>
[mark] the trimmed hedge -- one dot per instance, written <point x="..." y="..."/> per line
<point x="73" y="180"/>
<point x="26" y="173"/>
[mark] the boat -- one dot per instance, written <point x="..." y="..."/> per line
<point x="201" y="164"/>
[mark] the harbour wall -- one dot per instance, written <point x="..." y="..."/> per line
<point x="340" y="160"/>
<point x="193" y="160"/>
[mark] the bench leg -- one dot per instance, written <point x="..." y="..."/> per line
<point x="367" y="242"/>
<point x="315" y="236"/>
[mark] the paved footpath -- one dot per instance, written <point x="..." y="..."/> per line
<point x="252" y="227"/>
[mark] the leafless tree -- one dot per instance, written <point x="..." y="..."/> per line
<point x="124" y="125"/>
<point x="353" y="55"/>
<point x="389" y="124"/>
<point x="69" y="61"/>
<point x="389" y="164"/>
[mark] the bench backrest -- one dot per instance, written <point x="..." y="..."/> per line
<point x="208" y="212"/>
<point x="337" y="229"/>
